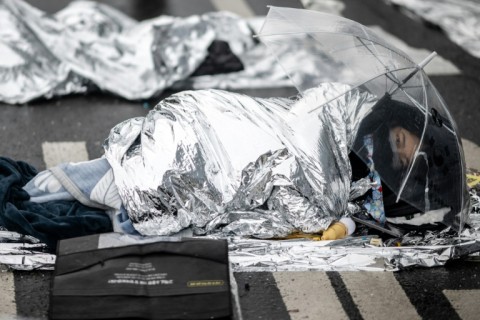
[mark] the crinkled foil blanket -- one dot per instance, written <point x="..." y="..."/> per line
<point x="88" y="45"/>
<point x="249" y="255"/>
<point x="225" y="162"/>
<point x="460" y="20"/>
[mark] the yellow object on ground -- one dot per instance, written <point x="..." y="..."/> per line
<point x="301" y="235"/>
<point x="473" y="180"/>
<point x="336" y="231"/>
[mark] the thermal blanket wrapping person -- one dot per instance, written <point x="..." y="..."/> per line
<point x="222" y="162"/>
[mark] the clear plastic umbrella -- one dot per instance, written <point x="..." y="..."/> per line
<point x="408" y="135"/>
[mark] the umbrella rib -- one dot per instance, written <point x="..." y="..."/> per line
<point x="379" y="60"/>
<point x="354" y="87"/>
<point x="386" y="46"/>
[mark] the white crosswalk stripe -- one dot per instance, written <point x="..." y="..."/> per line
<point x="8" y="308"/>
<point x="465" y="302"/>
<point x="66" y="151"/>
<point x="239" y="7"/>
<point x="307" y="294"/>
<point x="438" y="66"/>
<point x="472" y="154"/>
<point x="378" y="295"/>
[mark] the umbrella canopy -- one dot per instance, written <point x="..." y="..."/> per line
<point x="408" y="136"/>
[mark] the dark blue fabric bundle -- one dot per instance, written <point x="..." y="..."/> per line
<point x="50" y="221"/>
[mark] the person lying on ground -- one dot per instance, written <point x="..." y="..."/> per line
<point x="221" y="163"/>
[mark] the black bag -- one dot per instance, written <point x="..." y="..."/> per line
<point x="115" y="276"/>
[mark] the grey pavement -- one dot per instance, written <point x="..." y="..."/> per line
<point x="449" y="292"/>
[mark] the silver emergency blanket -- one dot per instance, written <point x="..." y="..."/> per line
<point x="460" y="20"/>
<point x="250" y="255"/>
<point x="89" y="45"/>
<point x="434" y="249"/>
<point x="256" y="255"/>
<point x="258" y="167"/>
<point x="22" y="252"/>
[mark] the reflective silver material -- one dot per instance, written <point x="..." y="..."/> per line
<point x="10" y="236"/>
<point x="264" y="167"/>
<point x="89" y="43"/>
<point x="349" y="254"/>
<point x="299" y="211"/>
<point x="23" y="252"/>
<point x="261" y="69"/>
<point x="28" y="69"/>
<point x="253" y="255"/>
<point x="475" y="211"/>
<point x="25" y="256"/>
<point x="359" y="188"/>
<point x="460" y="20"/>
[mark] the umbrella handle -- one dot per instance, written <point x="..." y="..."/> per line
<point x="419" y="67"/>
<point x="425" y="61"/>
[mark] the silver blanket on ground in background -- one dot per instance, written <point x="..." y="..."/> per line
<point x="89" y="45"/>
<point x="257" y="167"/>
<point x="460" y="20"/>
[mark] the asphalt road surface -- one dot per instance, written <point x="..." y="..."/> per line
<point x="73" y="128"/>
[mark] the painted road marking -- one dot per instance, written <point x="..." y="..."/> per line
<point x="465" y="302"/>
<point x="438" y="66"/>
<point x="472" y="154"/>
<point x="55" y="153"/>
<point x="240" y="7"/>
<point x="8" y="308"/>
<point x="309" y="295"/>
<point x="378" y="295"/>
<point x="329" y="6"/>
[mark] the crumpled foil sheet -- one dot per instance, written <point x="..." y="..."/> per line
<point x="431" y="249"/>
<point x="224" y="162"/>
<point x="460" y="20"/>
<point x="89" y="45"/>
<point x="257" y="255"/>
<point x="249" y="255"/>
<point x="23" y="252"/>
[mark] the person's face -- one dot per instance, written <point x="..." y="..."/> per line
<point x="404" y="143"/>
